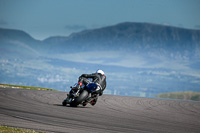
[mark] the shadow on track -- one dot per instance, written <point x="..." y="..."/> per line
<point x="71" y="107"/>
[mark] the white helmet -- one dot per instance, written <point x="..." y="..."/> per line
<point x="100" y="71"/>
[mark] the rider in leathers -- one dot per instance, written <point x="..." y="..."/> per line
<point x="99" y="78"/>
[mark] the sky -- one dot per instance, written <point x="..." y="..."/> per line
<point x="45" y="18"/>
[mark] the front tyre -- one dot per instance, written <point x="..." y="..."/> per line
<point x="84" y="94"/>
<point x="64" y="103"/>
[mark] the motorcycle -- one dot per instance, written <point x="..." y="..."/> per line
<point x="81" y="95"/>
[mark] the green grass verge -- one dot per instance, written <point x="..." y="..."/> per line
<point x="187" y="95"/>
<point x="5" y="129"/>
<point x="27" y="87"/>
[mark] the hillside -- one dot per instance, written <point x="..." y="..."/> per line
<point x="17" y="35"/>
<point x="135" y="37"/>
<point x="18" y="44"/>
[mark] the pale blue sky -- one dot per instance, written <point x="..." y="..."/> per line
<point x="44" y="18"/>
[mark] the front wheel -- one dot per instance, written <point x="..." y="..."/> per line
<point x="64" y="103"/>
<point x="84" y="94"/>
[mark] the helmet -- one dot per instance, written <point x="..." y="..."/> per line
<point x="100" y="71"/>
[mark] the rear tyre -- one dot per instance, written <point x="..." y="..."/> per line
<point x="84" y="104"/>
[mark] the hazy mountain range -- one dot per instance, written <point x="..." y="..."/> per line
<point x="139" y="59"/>
<point x="134" y="36"/>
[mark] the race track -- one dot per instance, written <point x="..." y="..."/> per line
<point x="42" y="110"/>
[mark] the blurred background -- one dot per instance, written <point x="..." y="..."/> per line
<point x="144" y="47"/>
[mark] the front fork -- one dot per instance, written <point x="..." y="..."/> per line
<point x="72" y="96"/>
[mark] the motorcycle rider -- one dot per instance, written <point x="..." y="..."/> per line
<point x="99" y="78"/>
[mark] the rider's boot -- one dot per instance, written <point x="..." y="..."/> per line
<point x="94" y="99"/>
<point x="93" y="102"/>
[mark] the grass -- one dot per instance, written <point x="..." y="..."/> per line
<point x="5" y="129"/>
<point x="187" y="95"/>
<point x="27" y="87"/>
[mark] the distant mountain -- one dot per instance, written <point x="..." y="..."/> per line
<point x="17" y="43"/>
<point x="134" y="36"/>
<point x="15" y="35"/>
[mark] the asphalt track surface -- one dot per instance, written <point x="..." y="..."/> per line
<point x="42" y="110"/>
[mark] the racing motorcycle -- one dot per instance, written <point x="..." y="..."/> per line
<point x="81" y="95"/>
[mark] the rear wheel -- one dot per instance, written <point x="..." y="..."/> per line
<point x="84" y="104"/>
